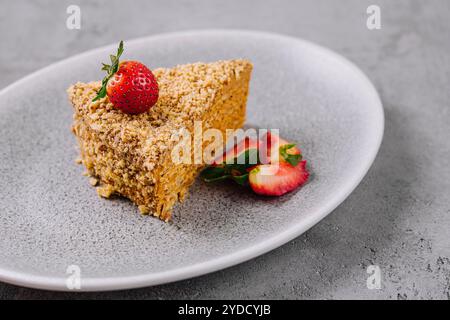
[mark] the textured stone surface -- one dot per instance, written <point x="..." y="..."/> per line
<point x="398" y="218"/>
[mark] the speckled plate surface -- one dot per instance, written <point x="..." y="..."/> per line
<point x="51" y="218"/>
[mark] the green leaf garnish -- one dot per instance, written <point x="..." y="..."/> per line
<point x="292" y="159"/>
<point x="237" y="171"/>
<point x="245" y="160"/>
<point x="111" y="70"/>
<point x="244" y="164"/>
<point x="211" y="174"/>
<point x="242" y="179"/>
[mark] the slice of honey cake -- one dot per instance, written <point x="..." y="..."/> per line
<point x="130" y="154"/>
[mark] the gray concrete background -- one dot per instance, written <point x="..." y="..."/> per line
<point x="398" y="218"/>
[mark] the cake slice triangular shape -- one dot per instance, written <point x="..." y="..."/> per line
<point x="130" y="155"/>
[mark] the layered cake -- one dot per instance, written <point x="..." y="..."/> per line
<point x="130" y="154"/>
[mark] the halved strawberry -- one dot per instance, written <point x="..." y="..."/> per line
<point x="277" y="179"/>
<point x="230" y="155"/>
<point x="275" y="149"/>
<point x="235" y="163"/>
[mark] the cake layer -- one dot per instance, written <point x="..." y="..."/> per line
<point x="131" y="154"/>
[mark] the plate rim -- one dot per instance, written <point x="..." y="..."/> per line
<point x="236" y="257"/>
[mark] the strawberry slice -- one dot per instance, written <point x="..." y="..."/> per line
<point x="277" y="179"/>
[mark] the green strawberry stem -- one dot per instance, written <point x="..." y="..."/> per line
<point x="292" y="159"/>
<point x="111" y="70"/>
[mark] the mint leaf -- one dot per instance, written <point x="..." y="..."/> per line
<point x="210" y="174"/>
<point x="237" y="171"/>
<point x="242" y="180"/>
<point x="221" y="178"/>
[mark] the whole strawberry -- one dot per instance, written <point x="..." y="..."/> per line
<point x="130" y="85"/>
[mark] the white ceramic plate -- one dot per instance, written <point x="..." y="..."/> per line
<point x="51" y="218"/>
